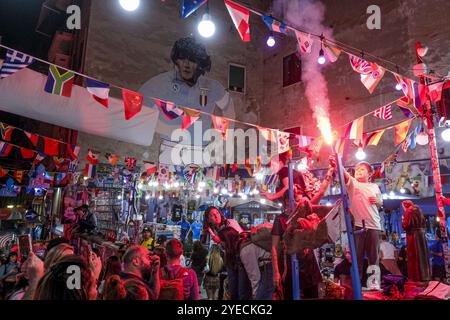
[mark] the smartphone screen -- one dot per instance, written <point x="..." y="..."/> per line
<point x="25" y="245"/>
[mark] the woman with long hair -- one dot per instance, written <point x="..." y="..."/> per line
<point x="54" y="283"/>
<point x="113" y="266"/>
<point x="215" y="265"/>
<point x="414" y="224"/>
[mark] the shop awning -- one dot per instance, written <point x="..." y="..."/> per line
<point x="23" y="94"/>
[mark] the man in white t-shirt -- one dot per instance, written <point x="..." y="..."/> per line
<point x="365" y="199"/>
<point x="388" y="256"/>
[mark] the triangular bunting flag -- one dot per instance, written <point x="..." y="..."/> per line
<point x="92" y="156"/>
<point x="99" y="91"/>
<point x="112" y="158"/>
<point x="58" y="161"/>
<point x="6" y="131"/>
<point x="27" y="153"/>
<point x="282" y="141"/>
<point x="189" y="117"/>
<point x="73" y="151"/>
<point x="360" y="65"/>
<point x="331" y="51"/>
<point x="435" y="90"/>
<point x="406" y="112"/>
<point x="384" y="113"/>
<point x="130" y="162"/>
<point x="188" y="7"/>
<point x="371" y="80"/>
<point x="33" y="138"/>
<point x="268" y="134"/>
<point x="51" y="147"/>
<point x="39" y="157"/>
<point x="373" y="138"/>
<point x="304" y="41"/>
<point x="355" y="129"/>
<point x="14" y="62"/>
<point x="221" y="125"/>
<point x="304" y="141"/>
<point x="59" y="83"/>
<point x="401" y="131"/>
<point x="274" y="25"/>
<point x="240" y="17"/>
<point x="5" y="149"/>
<point x="406" y="144"/>
<point x="169" y="109"/>
<point x="73" y="166"/>
<point x="150" y="168"/>
<point x="132" y="103"/>
<point x="90" y="171"/>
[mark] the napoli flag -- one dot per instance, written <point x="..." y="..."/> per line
<point x="190" y="6"/>
<point x="99" y="90"/>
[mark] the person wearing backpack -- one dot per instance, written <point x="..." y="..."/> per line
<point x="177" y="283"/>
<point x="214" y="267"/>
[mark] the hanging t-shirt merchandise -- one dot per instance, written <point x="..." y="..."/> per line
<point x="177" y="212"/>
<point x="196" y="228"/>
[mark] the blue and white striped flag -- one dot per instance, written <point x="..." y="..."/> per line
<point x="14" y="62"/>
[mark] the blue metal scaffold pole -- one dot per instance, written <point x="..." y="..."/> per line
<point x="294" y="261"/>
<point x="356" y="282"/>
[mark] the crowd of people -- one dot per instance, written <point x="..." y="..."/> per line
<point x="226" y="262"/>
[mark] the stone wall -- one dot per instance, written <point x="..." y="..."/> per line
<point x="402" y="23"/>
<point x="127" y="49"/>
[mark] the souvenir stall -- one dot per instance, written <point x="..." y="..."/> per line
<point x="252" y="212"/>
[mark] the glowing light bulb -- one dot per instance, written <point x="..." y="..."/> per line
<point x="391" y="194"/>
<point x="243" y="196"/>
<point x="438" y="219"/>
<point x="446" y="135"/>
<point x="176" y="184"/>
<point x="160" y="197"/>
<point x="140" y="186"/>
<point x="85" y="178"/>
<point x="224" y="191"/>
<point x="328" y="204"/>
<point x="216" y="190"/>
<point x="321" y="59"/>
<point x="147" y="197"/>
<point x="197" y="196"/>
<point x="256" y="192"/>
<point x="398" y="87"/>
<point x="206" y="27"/>
<point x="258" y="176"/>
<point x="402" y="190"/>
<point x="422" y="138"/>
<point x="280" y="204"/>
<point x="263" y="201"/>
<point x="270" y="41"/>
<point x="119" y="197"/>
<point x="130" y="5"/>
<point x="360" y="154"/>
